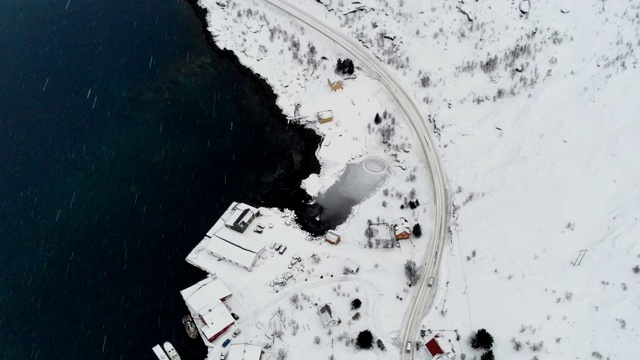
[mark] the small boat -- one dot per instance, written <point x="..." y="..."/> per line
<point x="159" y="353"/>
<point x="171" y="351"/>
<point x="190" y="326"/>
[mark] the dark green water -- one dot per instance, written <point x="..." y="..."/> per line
<point x="123" y="136"/>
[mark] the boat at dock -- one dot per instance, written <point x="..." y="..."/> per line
<point x="160" y="354"/>
<point x="190" y="326"/>
<point x="171" y="351"/>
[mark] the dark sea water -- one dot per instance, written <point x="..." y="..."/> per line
<point x="123" y="137"/>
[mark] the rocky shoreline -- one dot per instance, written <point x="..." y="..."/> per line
<point x="282" y="190"/>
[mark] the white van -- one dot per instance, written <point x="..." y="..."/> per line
<point x="408" y="349"/>
<point x="430" y="283"/>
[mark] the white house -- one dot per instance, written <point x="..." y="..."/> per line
<point x="327" y="316"/>
<point x="204" y="301"/>
<point x="244" y="352"/>
<point x="207" y="289"/>
<point x="239" y="216"/>
<point x="351" y="267"/>
<point x="235" y="247"/>
<point x="332" y="237"/>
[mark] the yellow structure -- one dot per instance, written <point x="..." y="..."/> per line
<point x="335" y="85"/>
<point x="324" y="116"/>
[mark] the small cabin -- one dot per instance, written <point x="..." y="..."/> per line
<point x="351" y="267"/>
<point x="325" y="116"/>
<point x="402" y="232"/>
<point x="328" y="317"/>
<point x="332" y="237"/>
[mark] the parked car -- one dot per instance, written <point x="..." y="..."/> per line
<point x="278" y="246"/>
<point x="381" y="345"/>
<point x="257" y="230"/>
<point x="237" y="332"/>
<point x="226" y="342"/>
<point x="235" y="316"/>
<point x="282" y="250"/>
<point x="273" y="244"/>
<point x="260" y="226"/>
<point x="223" y="355"/>
<point x="297" y="258"/>
<point x="430" y="283"/>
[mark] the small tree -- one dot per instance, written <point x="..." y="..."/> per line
<point x="355" y="304"/>
<point x="636" y="269"/>
<point x="411" y="271"/>
<point x="364" y="340"/>
<point x="316" y="340"/>
<point x="417" y="230"/>
<point x="487" y="356"/>
<point x="482" y="340"/>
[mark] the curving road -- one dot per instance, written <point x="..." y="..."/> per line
<point x="423" y="296"/>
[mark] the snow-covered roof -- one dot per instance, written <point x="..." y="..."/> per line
<point x="401" y="229"/>
<point x="216" y="318"/>
<point x="244" y="352"/>
<point x="325" y="114"/>
<point x="236" y="212"/>
<point x="332" y="235"/>
<point x="239" y="240"/>
<point x="235" y="254"/>
<point x="353" y="267"/>
<point x="205" y="291"/>
<point x="235" y="247"/>
<point x="326" y="314"/>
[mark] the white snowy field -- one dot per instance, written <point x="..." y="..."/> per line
<point x="536" y="119"/>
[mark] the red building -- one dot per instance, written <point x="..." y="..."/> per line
<point x="439" y="348"/>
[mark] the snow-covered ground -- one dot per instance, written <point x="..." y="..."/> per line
<point x="536" y="119"/>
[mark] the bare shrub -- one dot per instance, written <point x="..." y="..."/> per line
<point x="517" y="345"/>
<point x="536" y="346"/>
<point x="411" y="271"/>
<point x="294" y="298"/>
<point x="282" y="354"/>
<point x="316" y="340"/>
<point x="490" y="65"/>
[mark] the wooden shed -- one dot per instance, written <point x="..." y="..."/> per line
<point x="332" y="237"/>
<point x="324" y="116"/>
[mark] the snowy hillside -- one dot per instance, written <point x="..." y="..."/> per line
<point x="536" y="116"/>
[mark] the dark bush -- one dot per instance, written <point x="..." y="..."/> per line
<point x="344" y="67"/>
<point x="414" y="204"/>
<point x="417" y="231"/>
<point x="487" y="356"/>
<point x="364" y="340"/>
<point x="377" y="120"/>
<point x="482" y="340"/>
<point x="636" y="269"/>
<point x="355" y="304"/>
